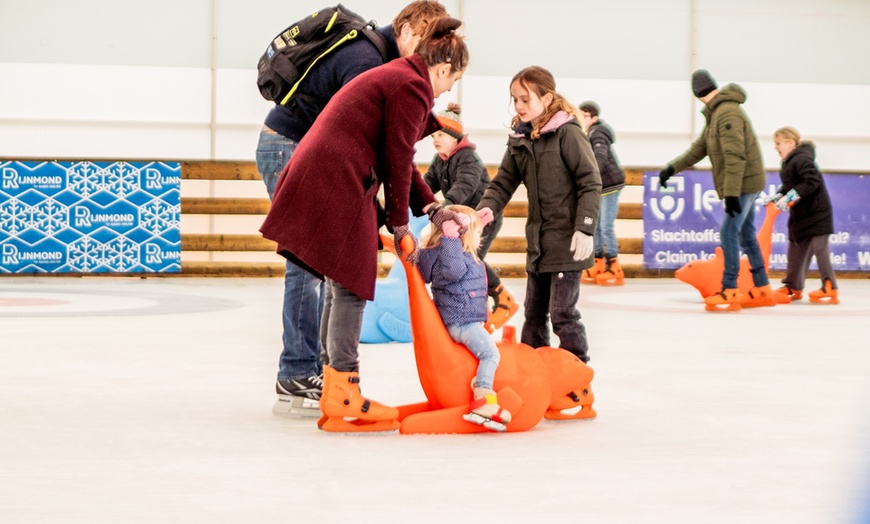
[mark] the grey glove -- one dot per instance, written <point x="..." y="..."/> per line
<point x="399" y="232"/>
<point x="438" y="215"/>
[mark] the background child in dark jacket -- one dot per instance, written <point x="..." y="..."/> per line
<point x="450" y="263"/>
<point x="549" y="154"/>
<point x="810" y="221"/>
<point x="460" y="175"/>
<point x="607" y="270"/>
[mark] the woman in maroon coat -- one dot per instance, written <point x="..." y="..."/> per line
<point x="325" y="211"/>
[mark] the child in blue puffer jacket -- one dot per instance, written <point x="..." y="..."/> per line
<point x="449" y="262"/>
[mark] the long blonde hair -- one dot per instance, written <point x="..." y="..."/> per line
<point x="540" y="81"/>
<point x="474" y="224"/>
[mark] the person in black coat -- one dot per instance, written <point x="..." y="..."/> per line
<point x="461" y="176"/>
<point x="607" y="269"/>
<point x="811" y="217"/>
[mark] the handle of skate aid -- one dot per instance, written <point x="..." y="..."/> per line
<point x="390" y="245"/>
<point x="407" y="246"/>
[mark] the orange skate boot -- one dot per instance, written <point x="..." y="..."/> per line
<point x="347" y="411"/>
<point x="785" y="295"/>
<point x="725" y="300"/>
<point x="827" y="295"/>
<point x="588" y="275"/>
<point x="612" y="274"/>
<point x="759" y="297"/>
<point x="504" y="308"/>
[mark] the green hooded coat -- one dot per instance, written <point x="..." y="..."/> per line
<point x="730" y="142"/>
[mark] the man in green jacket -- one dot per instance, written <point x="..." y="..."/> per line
<point x="730" y="142"/>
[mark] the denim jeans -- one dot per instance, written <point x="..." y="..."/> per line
<point x="480" y="343"/>
<point x="554" y="295"/>
<point x="303" y="292"/>
<point x="604" y="240"/>
<point x="739" y="232"/>
<point x="342" y="325"/>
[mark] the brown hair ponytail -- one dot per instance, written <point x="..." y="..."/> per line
<point x="442" y="44"/>
<point x="540" y="81"/>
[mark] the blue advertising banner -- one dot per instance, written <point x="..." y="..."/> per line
<point x="90" y="217"/>
<point x="681" y="222"/>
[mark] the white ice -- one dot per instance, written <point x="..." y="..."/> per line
<point x="129" y="400"/>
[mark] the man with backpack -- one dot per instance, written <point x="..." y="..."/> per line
<point x="299" y="383"/>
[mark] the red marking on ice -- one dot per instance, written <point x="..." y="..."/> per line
<point x="17" y="301"/>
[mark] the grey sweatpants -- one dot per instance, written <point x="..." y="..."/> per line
<point x="799" y="256"/>
<point x="340" y="327"/>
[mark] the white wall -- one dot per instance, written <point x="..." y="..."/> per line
<point x="174" y="79"/>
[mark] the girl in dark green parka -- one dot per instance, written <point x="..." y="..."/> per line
<point x="549" y="153"/>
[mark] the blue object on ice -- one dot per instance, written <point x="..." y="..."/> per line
<point x="387" y="318"/>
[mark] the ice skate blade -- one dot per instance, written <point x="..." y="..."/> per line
<point x="298" y="407"/>
<point x="721" y="308"/>
<point x="759" y="304"/>
<point x="829" y="301"/>
<point x="611" y="282"/>
<point x="342" y="425"/>
<point x="488" y="423"/>
<point x="585" y="413"/>
<point x="782" y="298"/>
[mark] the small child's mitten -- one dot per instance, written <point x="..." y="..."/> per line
<point x="789" y="199"/>
<point x="773" y="199"/>
<point x="485" y="214"/>
<point x="450" y="229"/>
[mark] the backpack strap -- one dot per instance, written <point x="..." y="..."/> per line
<point x="372" y="35"/>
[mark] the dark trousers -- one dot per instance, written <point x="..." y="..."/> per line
<point x="489" y="232"/>
<point x="554" y="296"/>
<point x="340" y="327"/>
<point x="799" y="256"/>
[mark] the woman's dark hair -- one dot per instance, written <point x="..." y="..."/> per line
<point x="442" y="44"/>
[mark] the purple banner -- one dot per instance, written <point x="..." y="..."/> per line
<point x="681" y="222"/>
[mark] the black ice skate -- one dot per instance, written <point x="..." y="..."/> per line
<point x="298" y="397"/>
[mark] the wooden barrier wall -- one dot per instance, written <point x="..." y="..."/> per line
<point x="252" y="242"/>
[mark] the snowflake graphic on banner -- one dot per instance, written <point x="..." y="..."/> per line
<point x="90" y="217"/>
<point x="14" y="216"/>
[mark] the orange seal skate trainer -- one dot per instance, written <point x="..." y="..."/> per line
<point x="529" y="383"/>
<point x="706" y="275"/>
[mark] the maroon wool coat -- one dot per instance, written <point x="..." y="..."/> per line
<point x="324" y="211"/>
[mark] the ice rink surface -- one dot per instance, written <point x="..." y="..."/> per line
<point x="127" y="400"/>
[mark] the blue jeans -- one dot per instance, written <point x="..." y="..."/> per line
<point x="480" y="343"/>
<point x="554" y="295"/>
<point x="303" y="292"/>
<point x="739" y="232"/>
<point x="604" y="240"/>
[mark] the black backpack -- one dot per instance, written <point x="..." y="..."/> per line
<point x="294" y="52"/>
